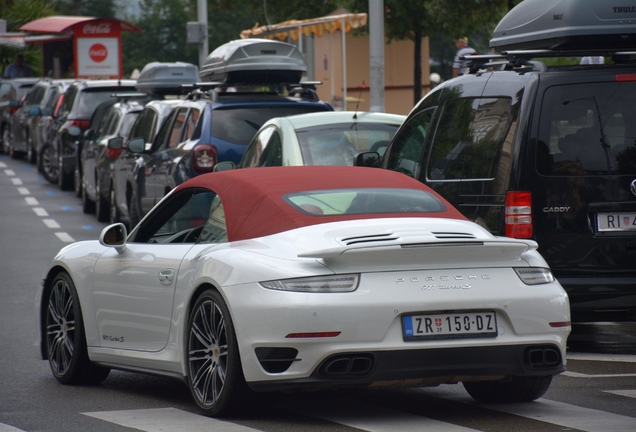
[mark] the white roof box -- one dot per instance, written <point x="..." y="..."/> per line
<point x="166" y="78"/>
<point x="254" y="61"/>
<point x="567" y="25"/>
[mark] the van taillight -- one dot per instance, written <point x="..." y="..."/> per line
<point x="204" y="157"/>
<point x="518" y="215"/>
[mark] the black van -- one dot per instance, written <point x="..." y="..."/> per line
<point x="546" y="153"/>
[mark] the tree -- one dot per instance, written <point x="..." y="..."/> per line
<point x="96" y="8"/>
<point x="416" y="19"/>
<point x="17" y="13"/>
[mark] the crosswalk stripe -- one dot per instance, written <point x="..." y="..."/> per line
<point x="167" y="420"/>
<point x="628" y="393"/>
<point x="373" y="418"/>
<point x="65" y="237"/>
<point x="562" y="414"/>
<point x="7" y="428"/>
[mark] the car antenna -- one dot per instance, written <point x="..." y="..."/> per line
<point x="355" y="114"/>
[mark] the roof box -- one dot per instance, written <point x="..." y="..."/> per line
<point x="166" y="78"/>
<point x="253" y="62"/>
<point x="567" y="25"/>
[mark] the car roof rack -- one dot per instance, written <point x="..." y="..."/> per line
<point x="302" y="89"/>
<point x="523" y="60"/>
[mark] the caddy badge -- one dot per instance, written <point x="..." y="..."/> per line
<point x="632" y="187"/>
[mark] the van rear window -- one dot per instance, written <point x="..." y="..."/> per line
<point x="588" y="129"/>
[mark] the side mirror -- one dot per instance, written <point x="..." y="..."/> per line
<point x="114" y="236"/>
<point x="116" y="143"/>
<point x="224" y="166"/>
<point x="136" y="145"/>
<point x="74" y="131"/>
<point x="367" y="159"/>
<point x="89" y="134"/>
<point x="35" y="111"/>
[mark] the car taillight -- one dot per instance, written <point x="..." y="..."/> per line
<point x="518" y="215"/>
<point x="82" y="124"/>
<point x="625" y="77"/>
<point x="113" y="154"/>
<point x="204" y="157"/>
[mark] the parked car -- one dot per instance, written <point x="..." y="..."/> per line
<point x="249" y="84"/>
<point x="11" y="93"/>
<point x="25" y="121"/>
<point x="304" y="278"/>
<point x="97" y="159"/>
<point x="43" y="152"/>
<point x="80" y="100"/>
<point x="328" y="138"/>
<point x="124" y="169"/>
<point x="540" y="152"/>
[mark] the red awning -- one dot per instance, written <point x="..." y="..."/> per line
<point x="61" y="23"/>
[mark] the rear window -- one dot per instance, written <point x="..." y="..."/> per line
<point x="89" y="99"/>
<point x="364" y="201"/>
<point x="338" y="144"/>
<point x="588" y="129"/>
<point x="239" y="125"/>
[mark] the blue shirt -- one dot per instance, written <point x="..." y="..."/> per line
<point x="13" y="71"/>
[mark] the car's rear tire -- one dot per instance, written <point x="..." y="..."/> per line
<point x="31" y="151"/>
<point x="102" y="207"/>
<point x="519" y="389"/>
<point x="65" y="337"/>
<point x="48" y="163"/>
<point x="215" y="376"/>
<point x="77" y="182"/>
<point x="88" y="206"/>
<point x="113" y="214"/>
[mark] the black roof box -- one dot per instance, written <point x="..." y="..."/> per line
<point x="166" y="78"/>
<point x="567" y="25"/>
<point x="253" y="62"/>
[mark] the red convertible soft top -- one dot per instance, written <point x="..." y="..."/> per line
<point x="254" y="207"/>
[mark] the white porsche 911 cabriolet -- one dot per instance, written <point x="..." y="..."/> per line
<point x="298" y="278"/>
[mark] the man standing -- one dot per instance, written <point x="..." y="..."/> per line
<point x="18" y="69"/>
<point x="459" y="66"/>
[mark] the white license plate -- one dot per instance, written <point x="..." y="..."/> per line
<point x="450" y="325"/>
<point x="616" y="222"/>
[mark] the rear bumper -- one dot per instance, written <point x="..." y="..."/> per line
<point x="428" y="367"/>
<point x="593" y="295"/>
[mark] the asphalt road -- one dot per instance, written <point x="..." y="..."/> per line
<point x="597" y="393"/>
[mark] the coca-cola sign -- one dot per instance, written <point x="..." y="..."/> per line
<point x="98" y="53"/>
<point x="99" y="28"/>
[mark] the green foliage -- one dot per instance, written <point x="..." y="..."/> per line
<point x="96" y="8"/>
<point x="17" y="13"/>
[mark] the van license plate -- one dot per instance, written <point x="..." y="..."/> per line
<point x="451" y="325"/>
<point x="616" y="222"/>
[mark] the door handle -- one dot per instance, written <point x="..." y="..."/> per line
<point x="166" y="276"/>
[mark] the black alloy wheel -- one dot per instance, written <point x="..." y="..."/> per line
<point x="215" y="376"/>
<point x="65" y="337"/>
<point x="88" y="206"/>
<point x="48" y="163"/>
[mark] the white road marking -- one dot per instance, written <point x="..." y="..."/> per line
<point x="7" y="428"/>
<point x="40" y="211"/>
<point x="373" y="418"/>
<point x="167" y="420"/>
<point x="9" y="172"/>
<point x="16" y="181"/>
<point x="563" y="414"/>
<point x="24" y="191"/>
<point x="628" y="393"/>
<point x="51" y="223"/>
<point x="64" y="237"/>
<point x="31" y="201"/>
<point x="624" y="358"/>
<point x="582" y="375"/>
<point x="3" y="165"/>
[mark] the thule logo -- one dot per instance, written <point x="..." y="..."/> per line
<point x="624" y="9"/>
<point x="557" y="17"/>
<point x="268" y="52"/>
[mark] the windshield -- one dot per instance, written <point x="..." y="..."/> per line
<point x="364" y="201"/>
